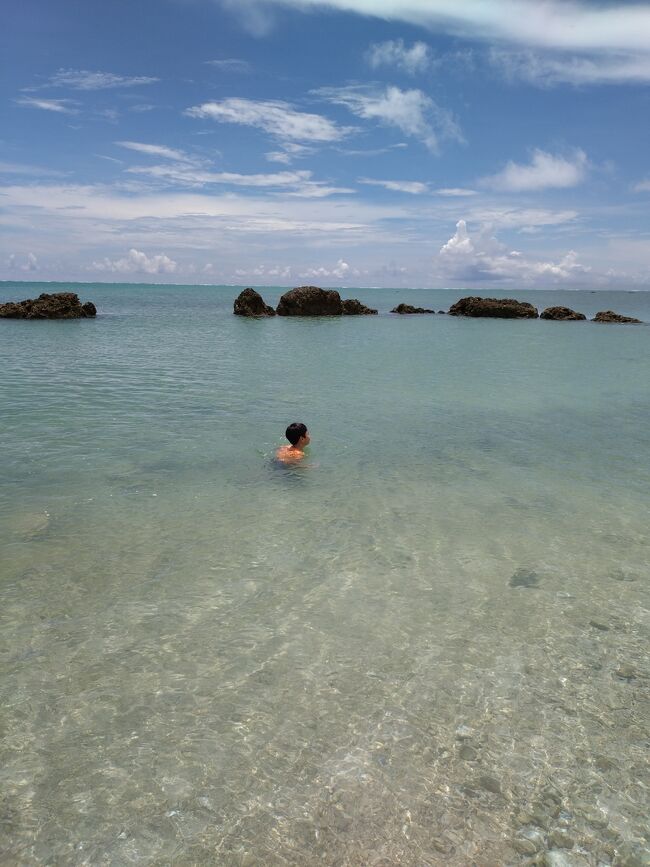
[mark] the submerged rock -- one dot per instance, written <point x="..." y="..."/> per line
<point x="610" y="316"/>
<point x="561" y="314"/>
<point x="250" y="303"/>
<point x="353" y="307"/>
<point x="524" y="578"/>
<point x="496" y="308"/>
<point x="58" y="305"/>
<point x="408" y="308"/>
<point x="310" y="301"/>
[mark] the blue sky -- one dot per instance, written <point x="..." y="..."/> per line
<point x="342" y="143"/>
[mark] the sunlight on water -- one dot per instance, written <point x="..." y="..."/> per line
<point x="426" y="646"/>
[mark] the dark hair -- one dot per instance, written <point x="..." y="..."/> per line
<point x="296" y="430"/>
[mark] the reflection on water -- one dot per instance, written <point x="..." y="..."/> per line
<point x="429" y="648"/>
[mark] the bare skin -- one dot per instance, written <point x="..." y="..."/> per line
<point x="291" y="454"/>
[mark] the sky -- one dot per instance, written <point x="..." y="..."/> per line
<point x="433" y="143"/>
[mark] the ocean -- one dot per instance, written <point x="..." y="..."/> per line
<point x="427" y="645"/>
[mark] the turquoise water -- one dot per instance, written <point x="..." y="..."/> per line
<point x="427" y="646"/>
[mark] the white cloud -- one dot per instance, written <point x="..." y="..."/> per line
<point x="83" y="79"/>
<point x="277" y="118"/>
<point x="23" y="169"/>
<point x="154" y="150"/>
<point x="557" y="24"/>
<point x="454" y="192"/>
<point x="141" y="107"/>
<point x="139" y="263"/>
<point x="30" y="262"/>
<point x="289" y="152"/>
<point x="60" y="106"/>
<point x="483" y="258"/>
<point x="545" y="171"/>
<point x="415" y="59"/>
<point x="411" y="111"/>
<point x="231" y="65"/>
<point x="413" y="187"/>
<point x="642" y="186"/>
<point x="546" y="70"/>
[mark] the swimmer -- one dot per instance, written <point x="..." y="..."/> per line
<point x="298" y="437"/>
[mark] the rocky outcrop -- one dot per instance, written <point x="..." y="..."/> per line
<point x="59" y="305"/>
<point x="353" y="307"/>
<point x="408" y="308"/>
<point x="494" y="308"/>
<point x="250" y="303"/>
<point x="310" y="301"/>
<point x="561" y="314"/>
<point x="610" y="316"/>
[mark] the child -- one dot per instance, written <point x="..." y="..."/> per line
<point x="298" y="436"/>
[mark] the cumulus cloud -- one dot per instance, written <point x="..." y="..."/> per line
<point x="483" y="258"/>
<point x="411" y="111"/>
<point x="84" y="79"/>
<point x="28" y="263"/>
<point x="60" y="106"/>
<point x="413" y="187"/>
<point x="277" y="118"/>
<point x="154" y="150"/>
<point x="411" y="60"/>
<point x="545" y="171"/>
<point x="136" y="262"/>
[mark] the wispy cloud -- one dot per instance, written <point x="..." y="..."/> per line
<point x="577" y="25"/>
<point x="137" y="262"/>
<point x="548" y="70"/>
<point x="84" y="79"/>
<point x="454" y="192"/>
<point x="411" y="111"/>
<point x="231" y="65"/>
<point x="642" y="186"/>
<point x="154" y="150"/>
<point x="411" y="60"/>
<point x="416" y="188"/>
<point x="23" y="169"/>
<point x="545" y="171"/>
<point x="60" y="106"/>
<point x="277" y="118"/>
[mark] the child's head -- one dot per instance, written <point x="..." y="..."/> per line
<point x="297" y="434"/>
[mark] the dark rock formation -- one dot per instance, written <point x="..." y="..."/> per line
<point x="353" y="307"/>
<point x="496" y="308"/>
<point x="563" y="314"/>
<point x="310" y="301"/>
<point x="59" y="305"/>
<point x="610" y="316"/>
<point x="408" y="308"/>
<point x="250" y="303"/>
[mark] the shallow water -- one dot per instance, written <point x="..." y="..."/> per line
<point x="428" y="646"/>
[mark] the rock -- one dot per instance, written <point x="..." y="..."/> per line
<point x="408" y="308"/>
<point x="310" y="301"/>
<point x="490" y="784"/>
<point x="601" y="627"/>
<point x="558" y="858"/>
<point x="524" y="578"/>
<point x="250" y="303"/>
<point x="59" y="305"/>
<point x="626" y="671"/>
<point x="498" y="308"/>
<point x="524" y="846"/>
<point x="561" y="840"/>
<point x="442" y="311"/>
<point x="632" y="856"/>
<point x="561" y="314"/>
<point x="467" y="753"/>
<point x="353" y="307"/>
<point x="610" y="316"/>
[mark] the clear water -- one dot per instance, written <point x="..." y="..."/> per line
<point x="427" y="646"/>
